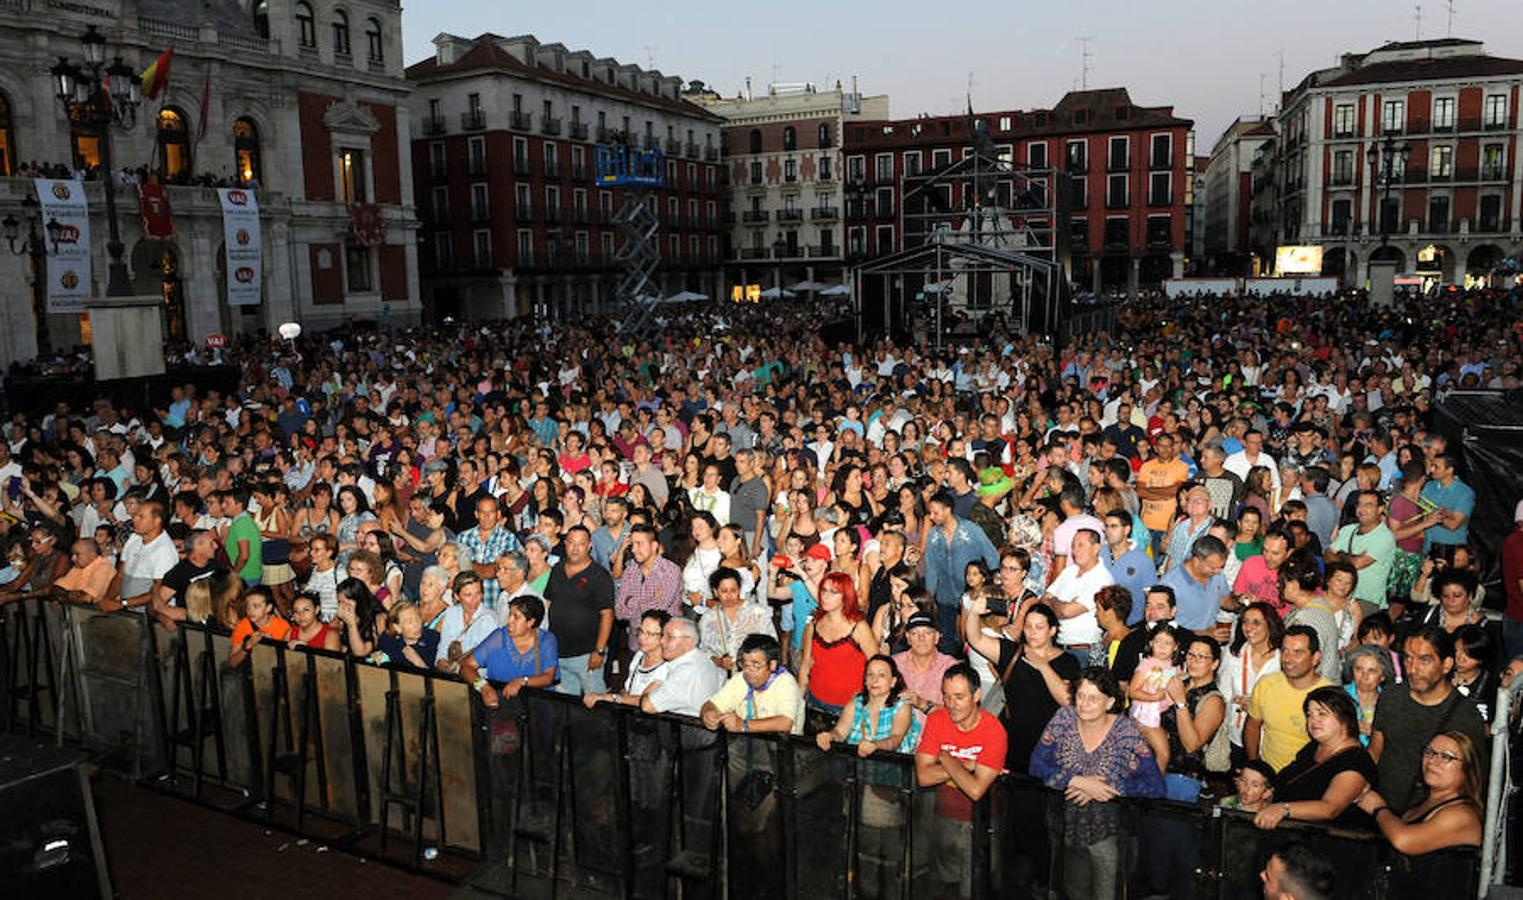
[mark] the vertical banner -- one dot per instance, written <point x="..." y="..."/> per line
<point x="69" y="261"/>
<point x="240" y="232"/>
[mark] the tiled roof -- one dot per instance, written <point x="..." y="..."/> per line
<point x="486" y="56"/>
<point x="1441" y="68"/>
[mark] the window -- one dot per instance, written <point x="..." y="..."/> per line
<point x="523" y="201"/>
<point x="884" y="200"/>
<point x="245" y="153"/>
<point x="1162" y="153"/>
<point x="1390" y="215"/>
<point x="1159" y="193"/>
<point x="525" y="247"/>
<point x="481" y="248"/>
<point x="477" y="147"/>
<point x="1343" y="212"/>
<point x="856" y="169"/>
<point x="1078" y="235"/>
<point x="1442" y="163"/>
<point x="1160" y="232"/>
<point x="756" y="140"/>
<point x="1491" y="213"/>
<point x="375" y="50"/>
<point x="1117" y="233"/>
<point x="1438" y="214"/>
<point x="1076" y="156"/>
<point x="306" y="24"/>
<point x="1078" y="193"/>
<point x="443" y="250"/>
<point x="481" y="208"/>
<point x="440" y="204"/>
<point x="262" y="18"/>
<point x="884" y="238"/>
<point x="790" y="138"/>
<point x="940" y="159"/>
<point x="1120" y="153"/>
<point x="824" y="136"/>
<point x="824" y="169"/>
<point x="756" y="171"/>
<point x="351" y="175"/>
<point x="1496" y="110"/>
<point x="1443" y="114"/>
<point x="357" y="268"/>
<point x="1115" y="192"/>
<point x="911" y="163"/>
<point x="883" y="168"/>
<point x="1343" y="120"/>
<point x="1036" y="155"/>
<point x="1343" y="167"/>
<point x="174" y="145"/>
<point x="1393" y="116"/>
<point x="1004" y="123"/>
<point x="790" y="170"/>
<point x="1491" y="162"/>
<point x="340" y="32"/>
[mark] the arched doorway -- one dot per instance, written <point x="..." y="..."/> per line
<point x="1338" y="262"/>
<point x="1435" y="264"/>
<point x="174" y="146"/>
<point x="1393" y="254"/>
<point x="156" y="270"/>
<point x="246" y="153"/>
<point x="1482" y="259"/>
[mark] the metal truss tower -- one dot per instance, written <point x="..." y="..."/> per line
<point x="640" y="172"/>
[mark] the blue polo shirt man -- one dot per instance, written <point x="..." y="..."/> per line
<point x="1198" y="584"/>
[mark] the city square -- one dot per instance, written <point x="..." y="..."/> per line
<point x="442" y="457"/>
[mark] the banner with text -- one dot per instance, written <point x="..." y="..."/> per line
<point x="240" y="232"/>
<point x="69" y="257"/>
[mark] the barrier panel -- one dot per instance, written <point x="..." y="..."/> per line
<point x="543" y="795"/>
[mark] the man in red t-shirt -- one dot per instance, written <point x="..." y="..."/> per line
<point x="961" y="752"/>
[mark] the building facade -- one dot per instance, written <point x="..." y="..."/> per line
<point x="1450" y="112"/>
<point x="506" y="130"/>
<point x="1130" y="173"/>
<point x="1227" y="205"/>
<point x="304" y="102"/>
<point x="783" y="154"/>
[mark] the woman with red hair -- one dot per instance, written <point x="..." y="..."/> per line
<point x="837" y="642"/>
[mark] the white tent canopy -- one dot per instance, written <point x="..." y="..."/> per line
<point x="835" y="290"/>
<point x="776" y="293"/>
<point x="686" y="297"/>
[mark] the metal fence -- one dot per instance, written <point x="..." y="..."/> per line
<point x="544" y="796"/>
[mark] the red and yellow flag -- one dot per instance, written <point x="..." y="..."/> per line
<point x="156" y="76"/>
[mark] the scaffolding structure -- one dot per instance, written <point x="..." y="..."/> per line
<point x="640" y="173"/>
<point x="981" y="235"/>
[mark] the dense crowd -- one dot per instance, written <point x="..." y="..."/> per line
<point x="1220" y="556"/>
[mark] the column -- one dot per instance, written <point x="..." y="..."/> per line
<point x="1098" y="285"/>
<point x="1133" y="276"/>
<point x="1177" y="258"/>
<point x="279" y="284"/>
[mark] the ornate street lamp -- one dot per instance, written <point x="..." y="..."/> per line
<point x="100" y="97"/>
<point x="32" y="246"/>
<point x="1388" y="163"/>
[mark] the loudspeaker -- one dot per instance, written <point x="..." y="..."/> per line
<point x="49" y="843"/>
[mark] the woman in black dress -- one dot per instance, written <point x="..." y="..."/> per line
<point x="1036" y="674"/>
<point x="1328" y="775"/>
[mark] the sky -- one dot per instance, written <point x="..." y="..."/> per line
<point x="1207" y="59"/>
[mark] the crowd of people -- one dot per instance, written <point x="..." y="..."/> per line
<point x="1219" y="556"/>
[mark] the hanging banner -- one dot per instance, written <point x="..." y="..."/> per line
<point x="69" y="256"/>
<point x="366" y="223"/>
<point x="158" y="218"/>
<point x="240" y="232"/>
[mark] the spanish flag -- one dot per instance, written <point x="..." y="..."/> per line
<point x="156" y="76"/>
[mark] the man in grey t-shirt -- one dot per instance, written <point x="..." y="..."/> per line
<point x="749" y="500"/>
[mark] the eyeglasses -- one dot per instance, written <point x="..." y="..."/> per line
<point x="1446" y="756"/>
<point x="1199" y="657"/>
<point x="649" y="632"/>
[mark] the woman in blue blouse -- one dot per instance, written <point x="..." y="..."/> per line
<point x="1094" y="754"/>
<point x="517" y="655"/>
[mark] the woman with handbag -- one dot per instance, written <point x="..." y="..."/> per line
<point x="1194" y="723"/>
<point x="274" y="521"/>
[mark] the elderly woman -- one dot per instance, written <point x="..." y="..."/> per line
<point x="1094" y="754"/>
<point x="464" y="625"/>
<point x="434" y="594"/>
<point x="517" y="655"/>
<point x="732" y="620"/>
<point x="1370" y="670"/>
<point x="449" y="559"/>
<point x="1331" y="771"/>
<point x="408" y="644"/>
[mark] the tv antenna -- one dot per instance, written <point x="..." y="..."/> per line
<point x="1085" y="57"/>
<point x="1418" y="15"/>
<point x="1450" y="5"/>
<point x="650" y="55"/>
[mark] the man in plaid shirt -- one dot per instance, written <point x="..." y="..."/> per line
<point x="653" y="582"/>
<point x="483" y="544"/>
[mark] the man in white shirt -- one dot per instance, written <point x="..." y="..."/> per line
<point x="1072" y="595"/>
<point x="1252" y="456"/>
<point x="147" y="557"/>
<point x="690" y="677"/>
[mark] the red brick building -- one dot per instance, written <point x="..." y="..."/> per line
<point x="1130" y="167"/>
<point x="503" y="162"/>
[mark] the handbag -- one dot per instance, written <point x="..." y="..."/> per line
<point x="1218" y="757"/>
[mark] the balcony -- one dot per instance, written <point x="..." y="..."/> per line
<point x="481" y="213"/>
<point x="578" y="131"/>
<point x="790" y="215"/>
<point x="825" y="213"/>
<point x="552" y="215"/>
<point x="476" y="166"/>
<point x="824" y="175"/>
<point x="1341" y="179"/>
<point x="523" y="212"/>
<point x="791" y="177"/>
<point x="473" y="120"/>
<point x="434" y="127"/>
<point x="754" y="253"/>
<point x="788" y="251"/>
<point x="823" y="251"/>
<point x="1343" y="134"/>
<point x="690" y="150"/>
<point x="1443" y="128"/>
<point x="828" y="141"/>
<point x="1493" y="173"/>
<point x="859" y="210"/>
<point x="711" y="154"/>
<point x="756" y="216"/>
<point x="552" y="169"/>
<point x="1160" y="199"/>
<point x="438" y="172"/>
<point x="673" y="147"/>
<point x="521" y="166"/>
<point x="549" y="125"/>
<point x="1496" y="125"/>
<point x="520" y="121"/>
<point x="580" y="215"/>
<point x="579" y="172"/>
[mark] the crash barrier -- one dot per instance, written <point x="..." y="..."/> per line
<point x="1085" y="319"/>
<point x="543" y="795"/>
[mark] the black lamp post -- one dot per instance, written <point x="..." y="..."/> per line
<point x="1385" y="172"/>
<point x="32" y="246"/>
<point x="99" y="97"/>
<point x="779" y="246"/>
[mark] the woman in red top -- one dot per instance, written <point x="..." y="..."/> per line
<point x="837" y="642"/>
<point x="307" y="630"/>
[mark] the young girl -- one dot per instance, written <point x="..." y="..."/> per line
<point x="1149" y="700"/>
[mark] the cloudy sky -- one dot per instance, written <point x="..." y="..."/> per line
<point x="1206" y="58"/>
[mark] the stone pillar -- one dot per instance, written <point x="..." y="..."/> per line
<point x="279" y="299"/>
<point x="1177" y="258"/>
<point x="507" y="292"/>
<point x="1095" y="269"/>
<point x="203" y="292"/>
<point x="1133" y="276"/>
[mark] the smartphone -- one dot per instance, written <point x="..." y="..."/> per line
<point x="998" y="606"/>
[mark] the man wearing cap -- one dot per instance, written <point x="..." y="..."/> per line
<point x="993" y="485"/>
<point x="1512" y="584"/>
<point x="922" y="665"/>
<point x="951" y="544"/>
